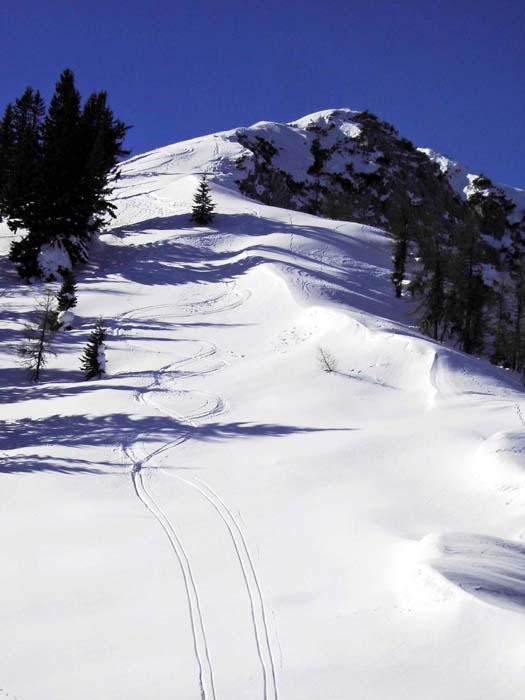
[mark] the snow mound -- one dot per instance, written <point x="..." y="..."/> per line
<point x="500" y="460"/>
<point x="51" y="258"/>
<point x="324" y="117"/>
<point x="489" y="568"/>
<point x="66" y="319"/>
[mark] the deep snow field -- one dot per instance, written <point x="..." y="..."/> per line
<point x="220" y="519"/>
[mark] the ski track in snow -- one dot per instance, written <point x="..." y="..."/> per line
<point x="520" y="415"/>
<point x="200" y="642"/>
<point x="212" y="405"/>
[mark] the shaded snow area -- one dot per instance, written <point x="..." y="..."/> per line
<point x="218" y="517"/>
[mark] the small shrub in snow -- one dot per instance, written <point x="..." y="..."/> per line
<point x="93" y="361"/>
<point x="326" y="360"/>
<point x="36" y="345"/>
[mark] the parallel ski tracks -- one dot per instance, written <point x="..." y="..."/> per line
<point x="251" y="581"/>
<point x="203" y="307"/>
<point x="200" y="643"/>
<point x="213" y="405"/>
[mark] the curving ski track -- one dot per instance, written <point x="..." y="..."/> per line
<point x="246" y="564"/>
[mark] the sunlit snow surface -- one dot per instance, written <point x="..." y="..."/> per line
<point x="218" y="517"/>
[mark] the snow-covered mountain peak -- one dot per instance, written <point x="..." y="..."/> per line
<point x="325" y="117"/>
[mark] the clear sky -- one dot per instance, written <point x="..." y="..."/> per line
<point x="449" y="75"/>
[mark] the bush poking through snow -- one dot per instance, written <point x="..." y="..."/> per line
<point x="38" y="336"/>
<point x="93" y="361"/>
<point x="326" y="360"/>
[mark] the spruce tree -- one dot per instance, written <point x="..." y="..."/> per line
<point x="20" y="180"/>
<point x="56" y="170"/>
<point x="21" y="152"/>
<point x="38" y="336"/>
<point x="399" y="259"/>
<point x="61" y="160"/>
<point x="67" y="297"/>
<point x="516" y="266"/>
<point x="93" y="361"/>
<point x="203" y="206"/>
<point x="7" y="137"/>
<point x="102" y="137"/>
<point x="430" y="285"/>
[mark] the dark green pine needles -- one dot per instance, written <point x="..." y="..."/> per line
<point x="57" y="170"/>
<point x="203" y="206"/>
<point x="67" y="294"/>
<point x="93" y="361"/>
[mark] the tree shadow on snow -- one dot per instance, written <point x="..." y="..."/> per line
<point x="119" y="428"/>
<point x="33" y="463"/>
<point x="177" y="260"/>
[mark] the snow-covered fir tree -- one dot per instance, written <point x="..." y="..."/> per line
<point x="93" y="361"/>
<point x="67" y="297"/>
<point x="203" y="206"/>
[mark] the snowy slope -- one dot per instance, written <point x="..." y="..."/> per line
<point x="220" y="518"/>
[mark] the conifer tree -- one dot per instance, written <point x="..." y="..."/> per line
<point x="434" y="302"/>
<point x="516" y="266"/>
<point x="93" y="361"/>
<point x="56" y="170"/>
<point x="21" y="150"/>
<point x="67" y="297"/>
<point x="38" y="336"/>
<point x="102" y="137"/>
<point x="203" y="206"/>
<point x="399" y="259"/>
<point x="6" y="150"/>
<point x="61" y="160"/>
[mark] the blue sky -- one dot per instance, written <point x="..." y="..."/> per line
<point x="449" y="75"/>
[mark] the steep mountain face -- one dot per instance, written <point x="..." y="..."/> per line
<point x="346" y="165"/>
<point x="351" y="165"/>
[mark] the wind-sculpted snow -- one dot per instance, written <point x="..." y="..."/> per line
<point x="489" y="568"/>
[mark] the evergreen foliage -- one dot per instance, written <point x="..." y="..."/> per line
<point x="399" y="260"/>
<point x="93" y="361"/>
<point x="203" y="206"/>
<point x="38" y="336"/>
<point x="56" y="171"/>
<point x="67" y="294"/>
